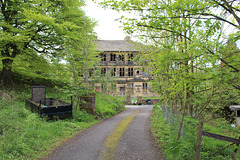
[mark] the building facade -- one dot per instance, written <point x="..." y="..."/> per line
<point x="118" y="60"/>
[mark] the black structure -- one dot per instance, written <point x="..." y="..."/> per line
<point x="49" y="107"/>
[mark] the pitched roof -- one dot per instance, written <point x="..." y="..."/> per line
<point x="116" y="45"/>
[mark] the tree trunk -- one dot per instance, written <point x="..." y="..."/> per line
<point x="199" y="139"/>
<point x="6" y="75"/>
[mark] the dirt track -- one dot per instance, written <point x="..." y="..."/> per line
<point x="135" y="143"/>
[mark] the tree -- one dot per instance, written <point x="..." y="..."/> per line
<point x="194" y="56"/>
<point x="36" y="28"/>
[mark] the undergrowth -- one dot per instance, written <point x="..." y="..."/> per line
<point x="184" y="148"/>
<point x="107" y="106"/>
<point x="24" y="135"/>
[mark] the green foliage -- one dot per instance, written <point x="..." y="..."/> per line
<point x="107" y="106"/>
<point x="24" y="135"/>
<point x="194" y="60"/>
<point x="36" y="35"/>
<point x="185" y="147"/>
<point x="83" y="116"/>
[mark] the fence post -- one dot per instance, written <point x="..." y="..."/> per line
<point x="199" y="139"/>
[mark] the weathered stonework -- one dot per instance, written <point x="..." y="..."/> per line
<point x="88" y="103"/>
<point x="130" y="78"/>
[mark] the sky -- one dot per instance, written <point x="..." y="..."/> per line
<point x="108" y="28"/>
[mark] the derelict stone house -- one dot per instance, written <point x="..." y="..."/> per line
<point x="117" y="61"/>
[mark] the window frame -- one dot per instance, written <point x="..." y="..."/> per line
<point x="122" y="72"/>
<point x="130" y="72"/>
<point x="145" y="87"/>
<point x="113" y="72"/>
<point x="121" y="57"/>
<point x="103" y="71"/>
<point x="130" y="57"/>
<point x="103" y="57"/>
<point x="113" y="57"/>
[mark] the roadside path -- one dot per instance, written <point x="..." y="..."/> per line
<point x="125" y="136"/>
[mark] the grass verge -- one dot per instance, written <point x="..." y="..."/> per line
<point x="107" y="106"/>
<point x="184" y="148"/>
<point x="23" y="135"/>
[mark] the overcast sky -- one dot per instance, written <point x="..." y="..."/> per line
<point x="108" y="27"/>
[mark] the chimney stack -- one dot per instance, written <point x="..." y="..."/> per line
<point x="127" y="38"/>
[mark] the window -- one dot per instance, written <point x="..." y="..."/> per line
<point x="130" y="85"/>
<point x="103" y="71"/>
<point x="113" y="72"/>
<point x="130" y="57"/>
<point x="144" y="87"/>
<point x="103" y="57"/>
<point x="121" y="72"/>
<point x="113" y="57"/>
<point x="121" y="57"/>
<point x="130" y="72"/>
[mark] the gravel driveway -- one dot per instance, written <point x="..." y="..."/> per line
<point x="135" y="143"/>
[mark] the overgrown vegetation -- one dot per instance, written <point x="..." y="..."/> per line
<point x="192" y="49"/>
<point x="184" y="148"/>
<point x="24" y="135"/>
<point x="107" y="106"/>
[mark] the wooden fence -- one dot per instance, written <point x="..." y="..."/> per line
<point x="215" y="136"/>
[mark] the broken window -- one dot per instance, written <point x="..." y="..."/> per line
<point x="103" y="57"/>
<point x="121" y="57"/>
<point x="130" y="57"/>
<point x="113" y="57"/>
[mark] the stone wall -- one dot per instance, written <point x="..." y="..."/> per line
<point x="88" y="103"/>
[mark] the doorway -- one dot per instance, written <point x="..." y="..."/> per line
<point x="122" y="91"/>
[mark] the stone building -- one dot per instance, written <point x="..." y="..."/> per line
<point x="118" y="60"/>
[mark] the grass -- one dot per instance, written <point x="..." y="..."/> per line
<point x="24" y="135"/>
<point x="185" y="147"/>
<point x="150" y="97"/>
<point x="107" y="106"/>
<point x="111" y="141"/>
